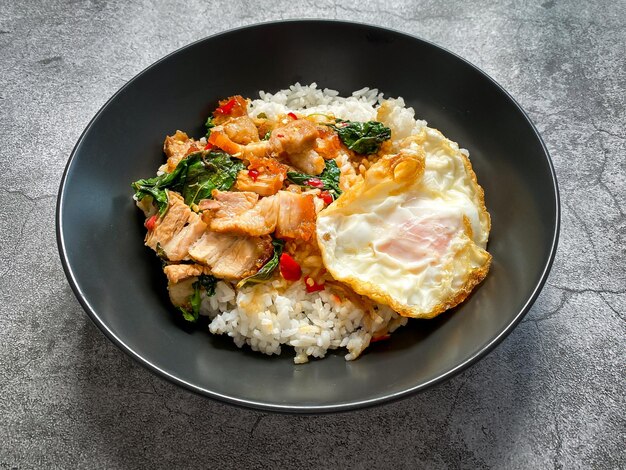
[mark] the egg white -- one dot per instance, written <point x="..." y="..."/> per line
<point x="413" y="233"/>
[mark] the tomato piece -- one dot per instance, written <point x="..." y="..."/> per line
<point x="292" y="116"/>
<point x="151" y="222"/>
<point x="312" y="286"/>
<point x="253" y="174"/>
<point x="315" y="182"/>
<point x="289" y="268"/>
<point x="326" y="197"/>
<point x="208" y="146"/>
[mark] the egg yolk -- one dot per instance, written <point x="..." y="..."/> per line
<point x="424" y="238"/>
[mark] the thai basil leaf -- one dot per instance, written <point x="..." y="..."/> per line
<point x="205" y="282"/>
<point x="209" y="124"/>
<point x="194" y="178"/>
<point x="362" y="137"/>
<point x="208" y="282"/>
<point x="157" y="186"/>
<point x="329" y="178"/>
<point x="209" y="171"/>
<point x="193" y="313"/>
<point x="161" y="252"/>
<point x="266" y="271"/>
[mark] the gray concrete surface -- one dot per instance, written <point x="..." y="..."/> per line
<point x="551" y="396"/>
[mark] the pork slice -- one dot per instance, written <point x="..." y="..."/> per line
<point x="177" y="230"/>
<point x="231" y="256"/>
<point x="180" y="280"/>
<point x="241" y="130"/>
<point x="231" y="204"/>
<point x="177" y="249"/>
<point x="179" y="272"/>
<point x="256" y="221"/>
<point x="268" y="178"/>
<point x="309" y="162"/>
<point x="265" y="184"/>
<point x="296" y="215"/>
<point x="295" y="142"/>
<point x="176" y="147"/>
<point x="294" y="137"/>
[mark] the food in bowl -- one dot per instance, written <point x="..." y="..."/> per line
<point x="315" y="221"/>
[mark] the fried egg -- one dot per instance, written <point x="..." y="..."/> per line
<point x="412" y="234"/>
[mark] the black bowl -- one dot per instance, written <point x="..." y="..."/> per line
<point x="117" y="280"/>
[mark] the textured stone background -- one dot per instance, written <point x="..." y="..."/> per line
<point x="552" y="395"/>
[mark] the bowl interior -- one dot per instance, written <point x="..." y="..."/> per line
<point x="118" y="280"/>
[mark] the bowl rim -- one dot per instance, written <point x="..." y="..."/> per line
<point x="302" y="409"/>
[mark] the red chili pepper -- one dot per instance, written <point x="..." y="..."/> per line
<point x="312" y="286"/>
<point x="208" y="146"/>
<point x="253" y="174"/>
<point x="379" y="338"/>
<point x="289" y="268"/>
<point x="326" y="197"/>
<point x="150" y="222"/>
<point x="292" y="116"/>
<point x="315" y="182"/>
<point x="227" y="108"/>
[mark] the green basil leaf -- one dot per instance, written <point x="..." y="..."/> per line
<point x="208" y="282"/>
<point x="194" y="178"/>
<point x="205" y="282"/>
<point x="362" y="137"/>
<point x="266" y="271"/>
<point x="208" y="171"/>
<point x="329" y="178"/>
<point x="209" y="124"/>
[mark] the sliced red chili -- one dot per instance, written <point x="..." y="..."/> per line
<point x="289" y="268"/>
<point x="380" y="338"/>
<point x="150" y="222"/>
<point x="326" y="197"/>
<point x="312" y="286"/>
<point x="227" y="108"/>
<point x="253" y="174"/>
<point x="315" y="182"/>
<point x="292" y="115"/>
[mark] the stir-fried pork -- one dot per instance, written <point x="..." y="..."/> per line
<point x="231" y="256"/>
<point x="296" y="217"/>
<point x="176" y="147"/>
<point x="180" y="279"/>
<point x="289" y="214"/>
<point x="177" y="230"/>
<point x="295" y="141"/>
<point x="242" y="213"/>
<point x="241" y="130"/>
<point x="264" y="176"/>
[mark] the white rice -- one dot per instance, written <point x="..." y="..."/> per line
<point x="358" y="107"/>
<point x="267" y="316"/>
